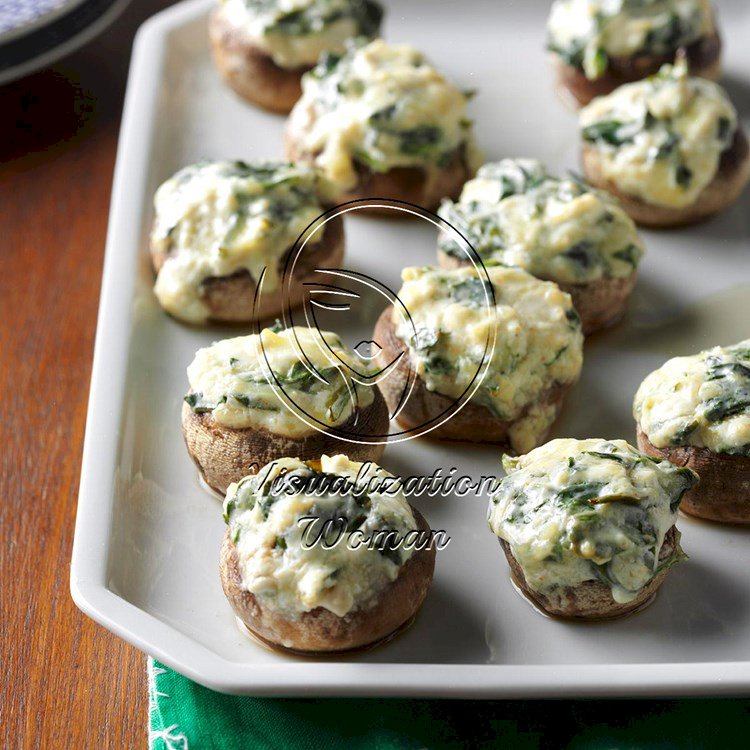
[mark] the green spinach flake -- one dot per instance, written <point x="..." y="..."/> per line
<point x="254" y="403"/>
<point x="630" y="254"/>
<point x="684" y="176"/>
<point x="420" y="141"/>
<point x="473" y="292"/>
<point x="198" y="404"/>
<point x="438" y="365"/>
<point x="607" y="131"/>
<point x="581" y="253"/>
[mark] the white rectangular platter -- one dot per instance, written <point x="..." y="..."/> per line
<point x="145" y="560"/>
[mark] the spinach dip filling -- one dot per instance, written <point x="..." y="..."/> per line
<point x="587" y="33"/>
<point x="294" y="33"/>
<point x="536" y="332"/>
<point x="217" y="218"/>
<point x="515" y="214"/>
<point x="701" y="401"/>
<point x="661" y="139"/>
<point x="379" y="106"/>
<point x="275" y="381"/>
<point x="588" y="510"/>
<point x="294" y="561"/>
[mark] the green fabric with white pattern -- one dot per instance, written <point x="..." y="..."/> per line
<point x="186" y="716"/>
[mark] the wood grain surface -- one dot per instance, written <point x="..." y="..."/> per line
<point x="64" y="681"/>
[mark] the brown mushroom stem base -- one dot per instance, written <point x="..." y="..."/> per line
<point x="321" y="654"/>
<point x="250" y="71"/>
<point x="422" y="186"/>
<point x="224" y="455"/>
<point x="703" y="57"/>
<point x="424" y="408"/>
<point x="231" y="299"/>
<point x="320" y="630"/>
<point x="600" y="303"/>
<point x="723" y="493"/>
<point x="590" y="600"/>
<point x="726" y="187"/>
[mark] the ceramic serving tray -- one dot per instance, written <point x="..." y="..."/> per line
<point x="145" y="559"/>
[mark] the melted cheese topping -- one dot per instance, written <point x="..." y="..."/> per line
<point x="515" y="214"/>
<point x="278" y="561"/>
<point x="276" y="381"/>
<point x="585" y="33"/>
<point x="454" y="321"/>
<point x="588" y="510"/>
<point x="702" y="400"/>
<point x="294" y="33"/>
<point x="216" y="219"/>
<point x="661" y="139"/>
<point x="382" y="106"/>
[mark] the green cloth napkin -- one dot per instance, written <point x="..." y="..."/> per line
<point x="186" y="716"/>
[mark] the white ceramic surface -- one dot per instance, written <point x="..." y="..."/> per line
<point x="147" y="536"/>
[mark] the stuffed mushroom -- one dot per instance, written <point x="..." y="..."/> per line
<point x="381" y="122"/>
<point x="588" y="526"/>
<point x="515" y="214"/>
<point x="695" y="411"/>
<point x="297" y="392"/>
<point x="671" y="148"/>
<point x="262" y="47"/>
<point x="319" y="557"/>
<point x="483" y="359"/>
<point x="221" y="227"/>
<point x="598" y="45"/>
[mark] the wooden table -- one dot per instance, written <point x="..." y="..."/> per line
<point x="64" y="681"/>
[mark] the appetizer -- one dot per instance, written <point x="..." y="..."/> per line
<point x="297" y="392"/>
<point x="483" y="359"/>
<point x="598" y="45"/>
<point x="381" y="122"/>
<point x="515" y="214"/>
<point x="317" y="559"/>
<point x="588" y="526"/>
<point x="221" y="227"/>
<point x="671" y="148"/>
<point x="695" y="411"/>
<point x="262" y="48"/>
